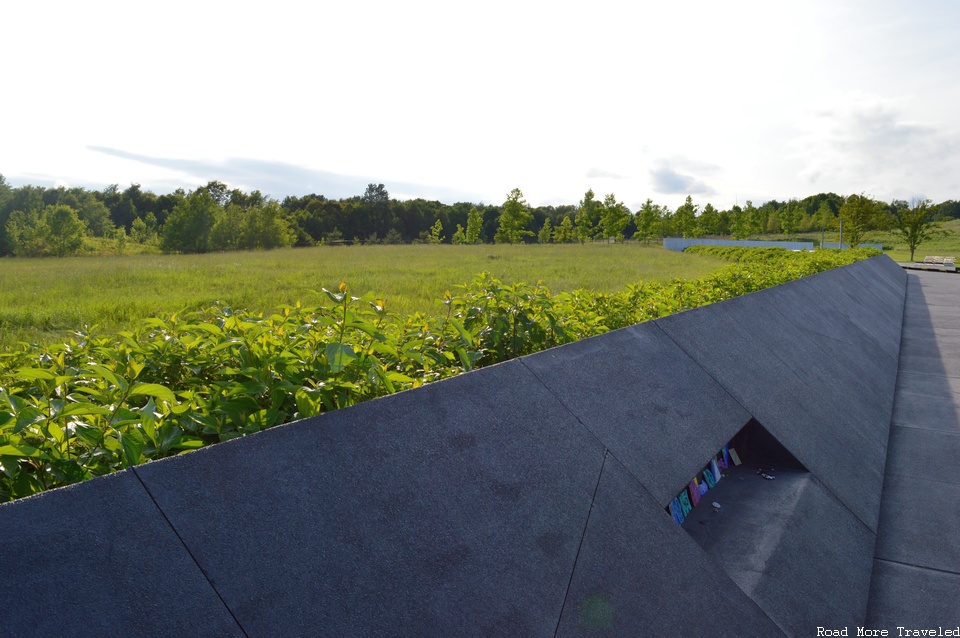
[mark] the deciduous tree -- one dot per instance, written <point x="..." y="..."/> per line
<point x="435" y="231"/>
<point x="545" y="236"/>
<point x="189" y="224"/>
<point x="614" y="218"/>
<point x="474" y="226"/>
<point x="648" y="219"/>
<point x="514" y="217"/>
<point x="588" y="215"/>
<point x="685" y="218"/>
<point x="859" y="214"/>
<point x="915" y="225"/>
<point x="66" y="230"/>
<point x="564" y="233"/>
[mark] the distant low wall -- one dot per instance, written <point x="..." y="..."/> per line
<point x="833" y="244"/>
<point x="680" y="244"/>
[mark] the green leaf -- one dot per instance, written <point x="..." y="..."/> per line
<point x="22" y="451"/>
<point x="308" y="402"/>
<point x="132" y="443"/>
<point x="339" y="356"/>
<point x="153" y="390"/>
<point x="27" y="417"/>
<point x="137" y="368"/>
<point x="463" y="331"/>
<point x="35" y="373"/>
<point x="189" y="444"/>
<point x="81" y="408"/>
<point x="399" y="378"/>
<point x="149" y="421"/>
<point x="229" y="343"/>
<point x="337" y="299"/>
<point x="88" y="434"/>
<point x="209" y="327"/>
<point x="109" y="375"/>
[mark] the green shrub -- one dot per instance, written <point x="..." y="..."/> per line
<point x="100" y="403"/>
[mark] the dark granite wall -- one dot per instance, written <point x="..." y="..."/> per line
<point x="524" y="499"/>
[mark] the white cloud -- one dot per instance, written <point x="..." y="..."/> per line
<point x="554" y="98"/>
<point x="869" y="144"/>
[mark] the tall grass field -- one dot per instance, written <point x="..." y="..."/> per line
<point x="42" y="300"/>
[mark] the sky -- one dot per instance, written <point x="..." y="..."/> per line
<point x="722" y="101"/>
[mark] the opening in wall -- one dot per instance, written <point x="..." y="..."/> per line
<point x="751" y="450"/>
<point x="742" y="519"/>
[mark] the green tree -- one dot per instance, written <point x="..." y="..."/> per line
<point x="648" y="219"/>
<point x="228" y="228"/>
<point x="393" y="236"/>
<point x="545" y="236"/>
<point x="188" y="226"/>
<point x="66" y="230"/>
<point x="459" y="236"/>
<point x="755" y="217"/>
<point x="588" y="216"/>
<point x="564" y="232"/>
<point x="266" y="226"/>
<point x="27" y="233"/>
<point x="859" y="215"/>
<point x="825" y="218"/>
<point x="723" y="223"/>
<point x="614" y="218"/>
<point x="915" y="225"/>
<point x="435" y="232"/>
<point x="120" y="239"/>
<point x="474" y="226"/>
<point x="790" y="217"/>
<point x="514" y="217"/>
<point x="709" y="220"/>
<point x="95" y="215"/>
<point x="739" y="223"/>
<point x="143" y="230"/>
<point x="685" y="218"/>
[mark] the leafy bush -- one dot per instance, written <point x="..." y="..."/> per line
<point x="100" y="403"/>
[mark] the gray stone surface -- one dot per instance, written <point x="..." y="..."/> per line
<point x="770" y="537"/>
<point x="920" y="523"/>
<point x="645" y="400"/>
<point x="98" y="559"/>
<point x="928" y="385"/>
<point x="931" y="364"/>
<point x="924" y="454"/>
<point x="800" y="385"/>
<point x="455" y="509"/>
<point x="527" y="499"/>
<point x="917" y="570"/>
<point x="820" y="571"/>
<point x="828" y="352"/>
<point x="880" y="269"/>
<point x="638" y="573"/>
<point x="930" y="347"/>
<point x="864" y="301"/>
<point x="931" y="412"/>
<point x="909" y="596"/>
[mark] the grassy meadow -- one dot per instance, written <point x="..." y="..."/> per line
<point x="948" y="245"/>
<point x="41" y="300"/>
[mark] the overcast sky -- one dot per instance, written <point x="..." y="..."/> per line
<point x="724" y="101"/>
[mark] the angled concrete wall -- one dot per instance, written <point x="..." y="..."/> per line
<point x="527" y="498"/>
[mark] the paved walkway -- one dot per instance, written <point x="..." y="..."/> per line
<point x="916" y="575"/>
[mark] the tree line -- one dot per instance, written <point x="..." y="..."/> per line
<point x="37" y="221"/>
